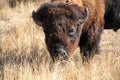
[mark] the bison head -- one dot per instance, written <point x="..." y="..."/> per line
<point x="62" y="24"/>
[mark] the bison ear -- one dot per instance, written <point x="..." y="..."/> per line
<point x="81" y="20"/>
<point x="37" y="18"/>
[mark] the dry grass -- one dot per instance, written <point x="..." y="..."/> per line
<point x="23" y="54"/>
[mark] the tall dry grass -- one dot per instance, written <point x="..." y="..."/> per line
<point x="23" y="54"/>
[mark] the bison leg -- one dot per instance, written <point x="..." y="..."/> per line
<point x="85" y="47"/>
<point x="89" y="43"/>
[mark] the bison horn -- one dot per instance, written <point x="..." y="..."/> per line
<point x="80" y="21"/>
<point x="87" y="13"/>
<point x="33" y="12"/>
<point x="36" y="19"/>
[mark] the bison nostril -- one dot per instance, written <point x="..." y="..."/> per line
<point x="63" y="53"/>
<point x="59" y="53"/>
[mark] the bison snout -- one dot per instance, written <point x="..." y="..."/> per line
<point x="59" y="53"/>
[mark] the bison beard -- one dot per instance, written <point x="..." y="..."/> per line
<point x="67" y="26"/>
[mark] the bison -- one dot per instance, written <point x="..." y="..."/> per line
<point x="69" y="25"/>
<point x="112" y="14"/>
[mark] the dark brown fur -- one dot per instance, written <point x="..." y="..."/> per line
<point x="112" y="14"/>
<point x="60" y="21"/>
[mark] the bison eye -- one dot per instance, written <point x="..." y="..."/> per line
<point x="71" y="33"/>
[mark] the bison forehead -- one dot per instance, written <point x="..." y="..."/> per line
<point x="57" y="8"/>
<point x="61" y="26"/>
<point x="54" y="7"/>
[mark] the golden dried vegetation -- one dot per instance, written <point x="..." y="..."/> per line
<point x="23" y="54"/>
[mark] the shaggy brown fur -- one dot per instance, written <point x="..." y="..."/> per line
<point x="89" y="41"/>
<point x="64" y="31"/>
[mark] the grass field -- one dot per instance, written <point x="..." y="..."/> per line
<point x="23" y="54"/>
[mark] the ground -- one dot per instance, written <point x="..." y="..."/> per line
<point x="23" y="54"/>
